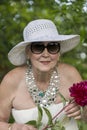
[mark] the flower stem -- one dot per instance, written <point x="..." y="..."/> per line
<point x="49" y="126"/>
<point x="60" y="111"/>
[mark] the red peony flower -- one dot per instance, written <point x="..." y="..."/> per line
<point x="79" y="92"/>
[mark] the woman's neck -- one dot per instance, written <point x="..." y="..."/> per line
<point x="42" y="79"/>
<point x="41" y="76"/>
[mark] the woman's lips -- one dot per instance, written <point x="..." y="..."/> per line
<point x="45" y="62"/>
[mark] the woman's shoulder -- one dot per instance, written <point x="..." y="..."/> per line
<point x="69" y="71"/>
<point x="13" y="77"/>
<point x="67" y="67"/>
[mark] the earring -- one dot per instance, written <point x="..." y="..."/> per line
<point x="28" y="62"/>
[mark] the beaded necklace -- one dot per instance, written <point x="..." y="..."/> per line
<point x="42" y="98"/>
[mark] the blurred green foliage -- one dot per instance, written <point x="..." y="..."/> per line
<point x="70" y="16"/>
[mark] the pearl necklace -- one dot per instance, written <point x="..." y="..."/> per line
<point x="42" y="98"/>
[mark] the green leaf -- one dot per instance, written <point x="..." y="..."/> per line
<point x="49" y="116"/>
<point x="65" y="119"/>
<point x="40" y="115"/>
<point x="63" y="98"/>
<point x="58" y="126"/>
<point x="37" y="123"/>
<point x="32" y="122"/>
<point x="79" y="123"/>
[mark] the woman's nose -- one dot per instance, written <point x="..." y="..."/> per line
<point x="45" y="52"/>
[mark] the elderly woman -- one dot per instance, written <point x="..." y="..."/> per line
<point x="38" y="78"/>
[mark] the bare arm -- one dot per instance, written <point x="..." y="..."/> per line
<point x="8" y="89"/>
<point x="70" y="75"/>
<point x="5" y="102"/>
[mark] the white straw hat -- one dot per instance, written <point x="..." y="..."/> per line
<point x="41" y="30"/>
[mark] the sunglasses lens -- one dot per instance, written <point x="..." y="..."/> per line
<point x="37" y="48"/>
<point x="53" y="47"/>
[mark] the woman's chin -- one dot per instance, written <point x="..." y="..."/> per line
<point x="45" y="69"/>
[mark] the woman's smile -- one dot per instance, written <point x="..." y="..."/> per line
<point x="45" y="62"/>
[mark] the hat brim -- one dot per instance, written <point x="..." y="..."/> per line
<point x="17" y="54"/>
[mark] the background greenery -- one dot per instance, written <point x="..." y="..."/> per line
<point x="70" y="16"/>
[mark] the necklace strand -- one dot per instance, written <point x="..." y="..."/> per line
<point x="43" y="98"/>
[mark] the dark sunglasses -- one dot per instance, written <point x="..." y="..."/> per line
<point x="38" y="47"/>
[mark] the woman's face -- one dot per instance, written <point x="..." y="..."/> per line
<point x="43" y="61"/>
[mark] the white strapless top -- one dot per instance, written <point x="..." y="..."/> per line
<point x="23" y="116"/>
